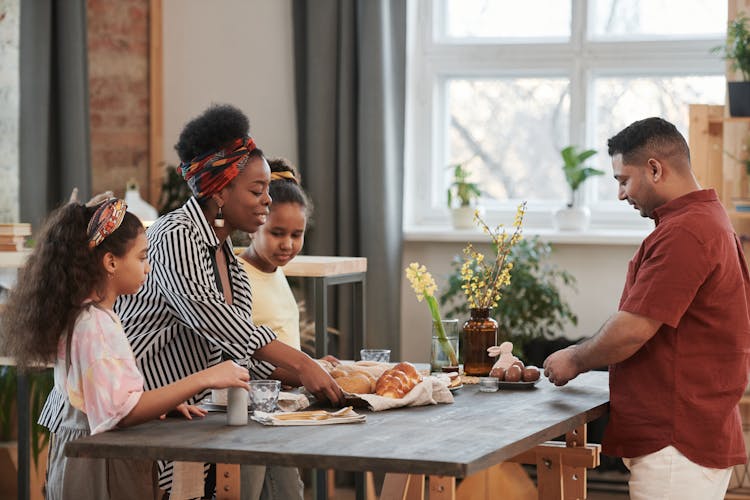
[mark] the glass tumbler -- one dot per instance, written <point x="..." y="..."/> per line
<point x="381" y="355"/>
<point x="264" y="395"/>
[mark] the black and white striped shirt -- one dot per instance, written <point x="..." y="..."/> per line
<point x="179" y="323"/>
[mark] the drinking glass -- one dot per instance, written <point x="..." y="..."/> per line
<point x="381" y="355"/>
<point x="264" y="395"/>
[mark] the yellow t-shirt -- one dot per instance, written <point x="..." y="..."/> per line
<point x="273" y="303"/>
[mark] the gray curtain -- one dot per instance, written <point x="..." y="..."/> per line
<point x="54" y="150"/>
<point x="350" y="81"/>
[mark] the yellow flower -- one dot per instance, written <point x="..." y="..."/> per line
<point x="424" y="285"/>
<point x="482" y="280"/>
<point x="421" y="281"/>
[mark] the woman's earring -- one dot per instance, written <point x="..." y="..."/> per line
<point x="219" y="220"/>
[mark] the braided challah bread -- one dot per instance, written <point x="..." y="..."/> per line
<point x="398" y="381"/>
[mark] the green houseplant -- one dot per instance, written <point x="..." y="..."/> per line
<point x="532" y="305"/>
<point x="736" y="50"/>
<point x="174" y="190"/>
<point x="39" y="385"/>
<point x="575" y="216"/>
<point x="462" y="196"/>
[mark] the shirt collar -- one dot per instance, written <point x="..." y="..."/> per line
<point x="678" y="204"/>
<point x="194" y="212"/>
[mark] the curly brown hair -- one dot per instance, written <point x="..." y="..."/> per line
<point x="59" y="275"/>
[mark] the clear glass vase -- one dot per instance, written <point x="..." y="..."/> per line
<point x="444" y="353"/>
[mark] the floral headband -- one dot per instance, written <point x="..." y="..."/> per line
<point x="106" y="219"/>
<point x="283" y="175"/>
<point x="210" y="172"/>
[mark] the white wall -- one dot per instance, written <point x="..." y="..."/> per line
<point x="237" y="52"/>
<point x="599" y="271"/>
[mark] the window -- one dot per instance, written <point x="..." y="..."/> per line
<point x="502" y="86"/>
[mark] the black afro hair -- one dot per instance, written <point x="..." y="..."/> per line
<point x="217" y="126"/>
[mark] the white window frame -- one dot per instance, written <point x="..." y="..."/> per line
<point x="431" y="61"/>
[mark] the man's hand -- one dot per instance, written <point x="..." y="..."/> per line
<point x="562" y="366"/>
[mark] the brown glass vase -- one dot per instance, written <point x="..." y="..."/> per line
<point x="480" y="332"/>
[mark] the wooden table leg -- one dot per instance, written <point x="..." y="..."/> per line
<point x="403" y="487"/>
<point x="561" y="467"/>
<point x="227" y="482"/>
<point x="574" y="476"/>
<point x="549" y="479"/>
<point x="442" y="488"/>
<point x="395" y="486"/>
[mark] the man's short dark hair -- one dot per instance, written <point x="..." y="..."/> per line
<point x="652" y="137"/>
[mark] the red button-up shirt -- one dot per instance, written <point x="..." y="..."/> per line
<point x="682" y="387"/>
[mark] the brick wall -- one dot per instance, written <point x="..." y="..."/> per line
<point x="118" y="45"/>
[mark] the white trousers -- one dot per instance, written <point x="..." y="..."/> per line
<point x="667" y="474"/>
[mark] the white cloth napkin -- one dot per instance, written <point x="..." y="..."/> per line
<point x="317" y="417"/>
<point x="429" y="391"/>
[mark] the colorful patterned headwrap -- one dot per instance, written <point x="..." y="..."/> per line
<point x="283" y="175"/>
<point x="209" y="173"/>
<point x="106" y="219"/>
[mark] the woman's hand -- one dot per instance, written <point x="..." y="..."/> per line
<point x="320" y="384"/>
<point x="331" y="359"/>
<point x="226" y="374"/>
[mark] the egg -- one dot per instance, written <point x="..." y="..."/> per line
<point x="513" y="374"/>
<point x="498" y="372"/>
<point x="530" y="374"/>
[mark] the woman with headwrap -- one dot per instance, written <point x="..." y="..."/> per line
<point x="196" y="305"/>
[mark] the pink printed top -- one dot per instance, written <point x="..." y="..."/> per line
<point x="103" y="380"/>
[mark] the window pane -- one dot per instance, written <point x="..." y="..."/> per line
<point x="508" y="133"/>
<point x="657" y="18"/>
<point x="620" y="101"/>
<point x="507" y="19"/>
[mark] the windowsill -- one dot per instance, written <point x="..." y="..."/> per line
<point x="588" y="237"/>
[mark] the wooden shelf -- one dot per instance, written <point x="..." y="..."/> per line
<point x="734" y="214"/>
<point x="730" y="119"/>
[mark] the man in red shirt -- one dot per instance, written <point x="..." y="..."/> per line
<point x="677" y="348"/>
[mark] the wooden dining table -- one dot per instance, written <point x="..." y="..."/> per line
<point x="442" y="442"/>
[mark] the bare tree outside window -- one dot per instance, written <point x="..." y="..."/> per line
<point x="502" y="89"/>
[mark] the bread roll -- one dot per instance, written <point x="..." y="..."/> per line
<point x="398" y="381"/>
<point x="326" y="365"/>
<point x="355" y="384"/>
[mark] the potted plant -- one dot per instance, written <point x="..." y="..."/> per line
<point x="462" y="195"/>
<point x="575" y="216"/>
<point x="532" y="307"/>
<point x="174" y="190"/>
<point x="40" y="384"/>
<point x="737" y="51"/>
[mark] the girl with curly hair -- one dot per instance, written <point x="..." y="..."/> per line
<point x="61" y="311"/>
